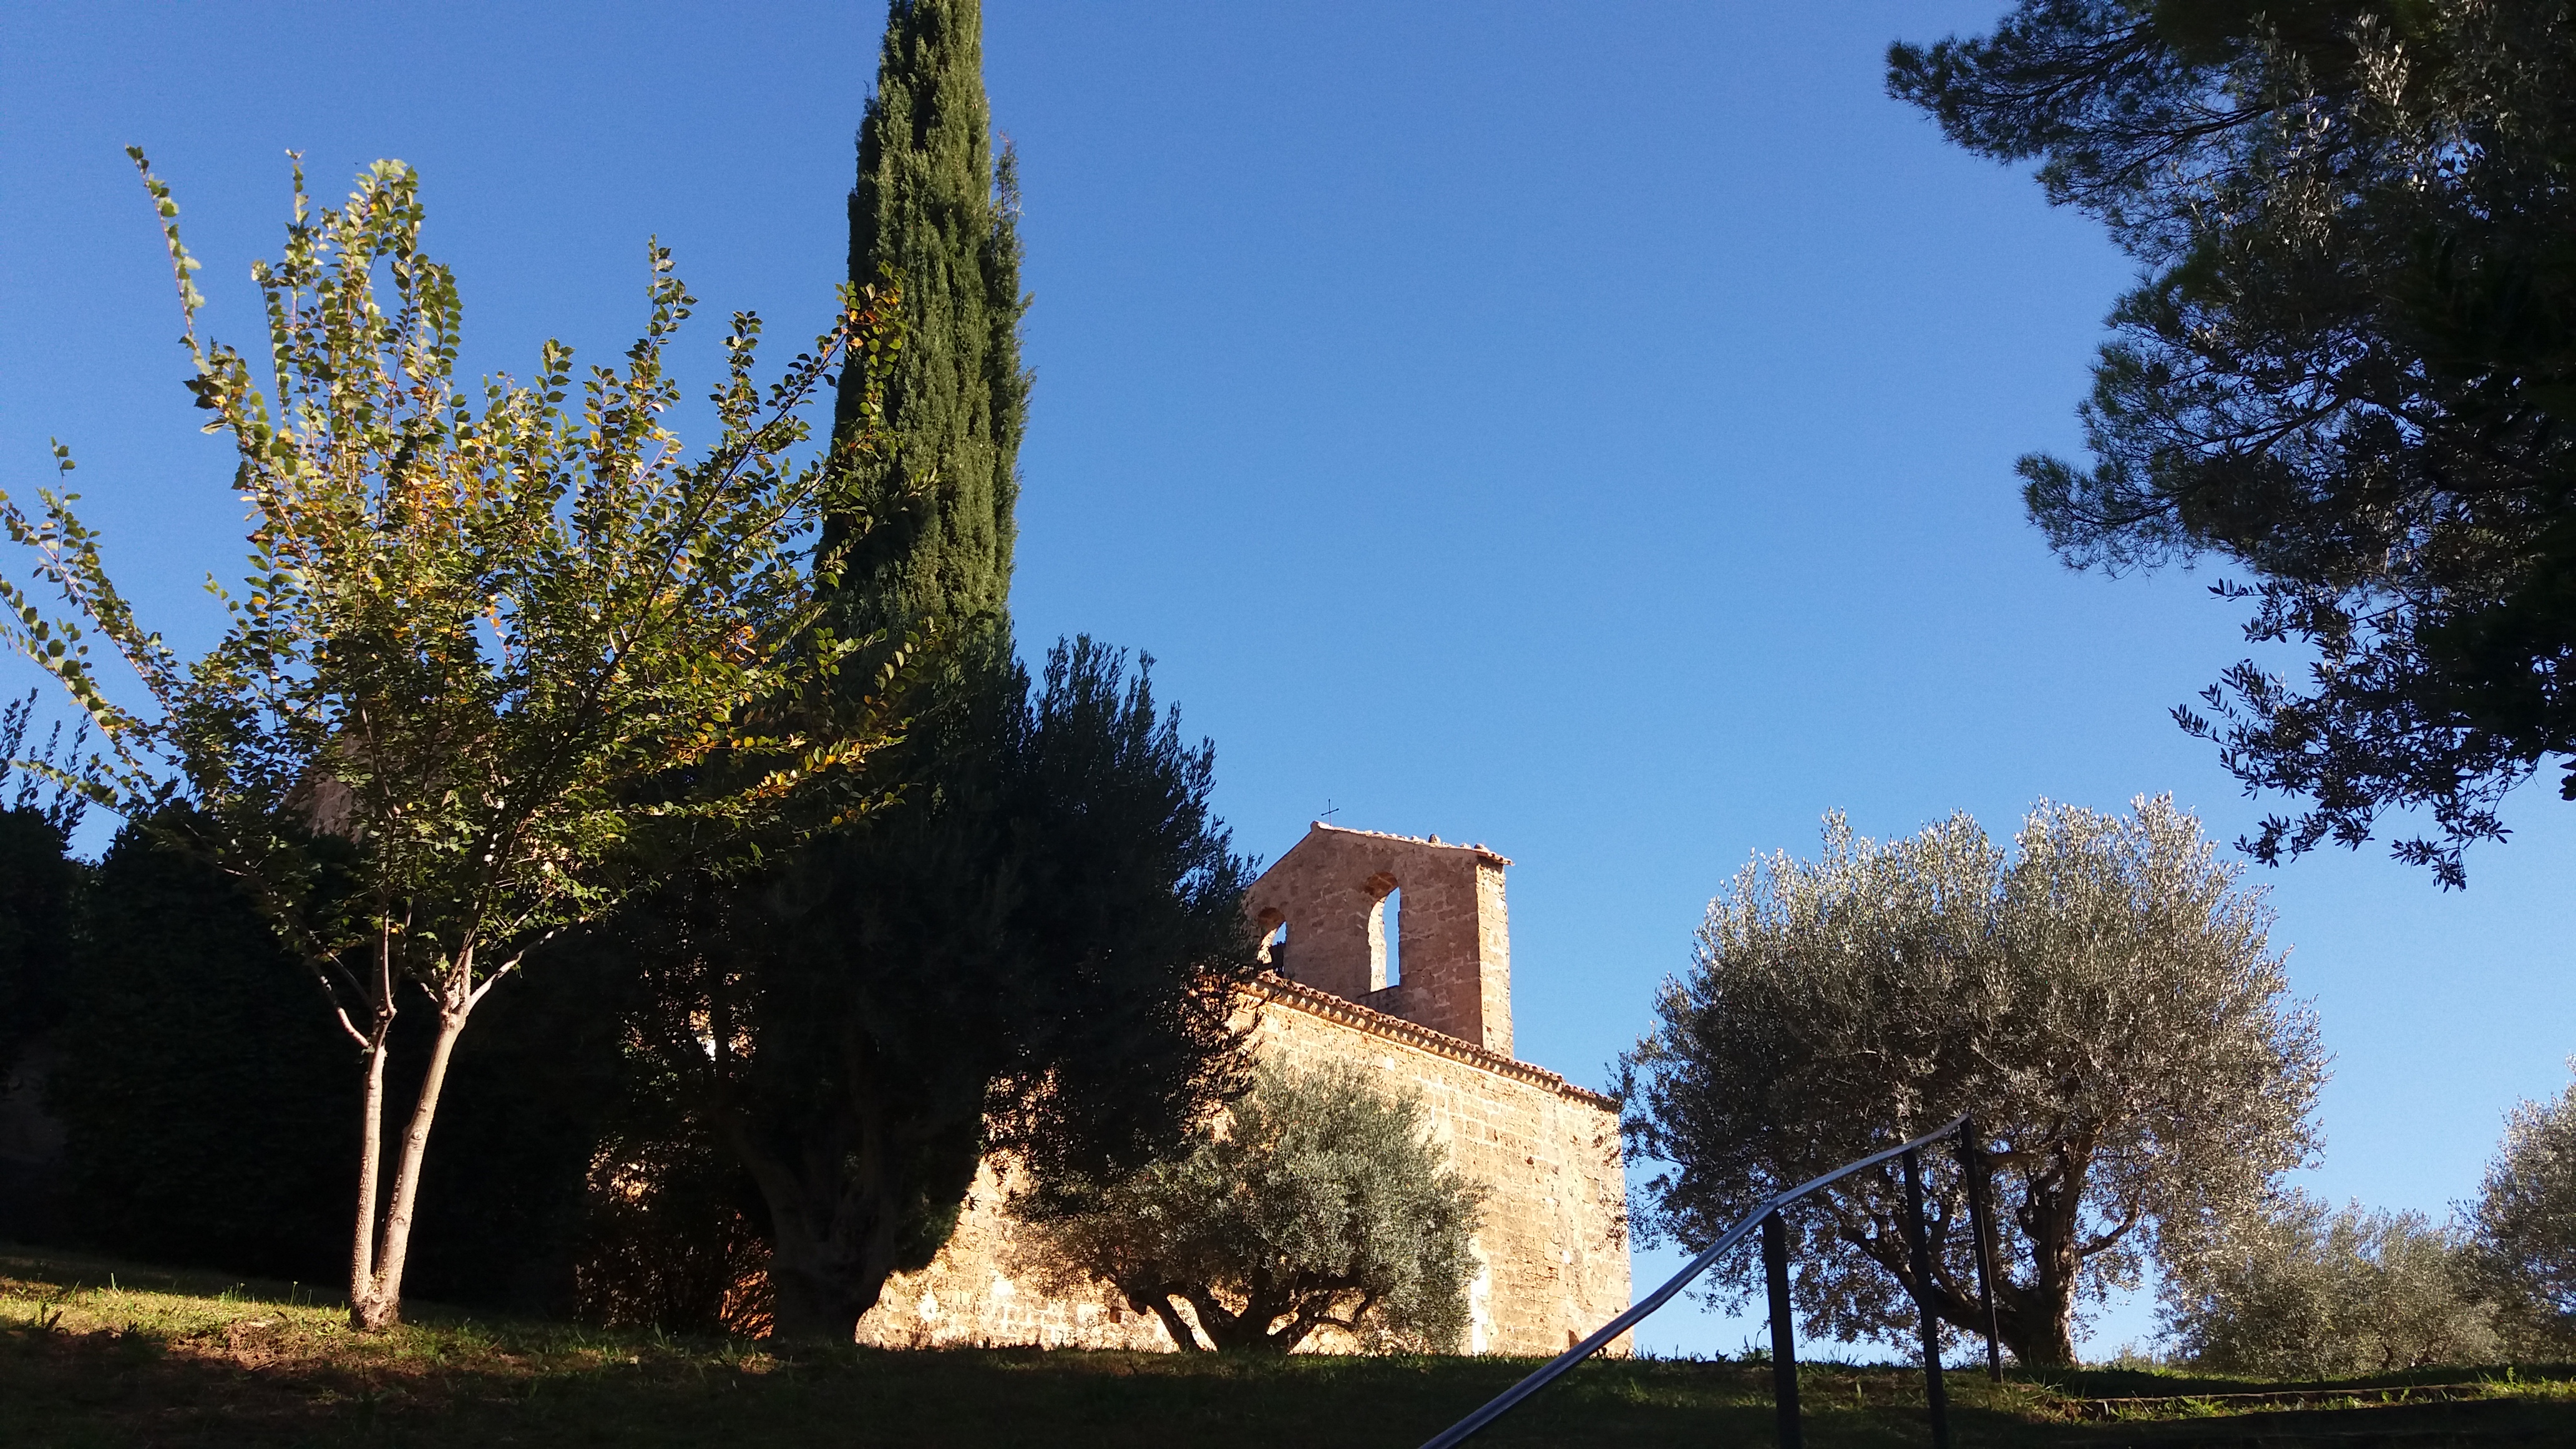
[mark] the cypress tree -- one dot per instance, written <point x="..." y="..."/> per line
<point x="1024" y="950"/>
<point x="933" y="211"/>
<point x="860" y="1113"/>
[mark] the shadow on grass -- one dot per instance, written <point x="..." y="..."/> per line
<point x="95" y="1353"/>
<point x="2113" y="1383"/>
<point x="134" y="1387"/>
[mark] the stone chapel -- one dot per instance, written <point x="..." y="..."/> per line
<point x="1430" y="1009"/>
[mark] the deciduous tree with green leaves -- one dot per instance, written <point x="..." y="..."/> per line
<point x="500" y="661"/>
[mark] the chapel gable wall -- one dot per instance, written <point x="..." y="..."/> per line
<point x="1453" y="934"/>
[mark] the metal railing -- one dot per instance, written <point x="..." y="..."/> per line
<point x="1784" y="1361"/>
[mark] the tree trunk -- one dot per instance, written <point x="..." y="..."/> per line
<point x="832" y="1240"/>
<point x="1173" y="1323"/>
<point x="810" y="1303"/>
<point x="2044" y="1336"/>
<point x="1251" y="1330"/>
<point x="371" y="1142"/>
<point x="2035" y="1320"/>
<point x="375" y="1292"/>
<point x="851" y="1200"/>
<point x="2051" y="1217"/>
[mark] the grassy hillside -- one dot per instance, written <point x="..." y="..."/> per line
<point x="98" y="1353"/>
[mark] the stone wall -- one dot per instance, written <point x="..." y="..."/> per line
<point x="971" y="1295"/>
<point x="1553" y="1243"/>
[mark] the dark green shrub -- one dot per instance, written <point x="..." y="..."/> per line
<point x="211" y="1101"/>
<point x="210" y="1107"/>
<point x="38" y="883"/>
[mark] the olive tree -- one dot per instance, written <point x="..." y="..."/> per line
<point x="499" y="664"/>
<point x="1315" y="1201"/>
<point x="2525" y="1222"/>
<point x="2307" y="1291"/>
<point x="2102" y="997"/>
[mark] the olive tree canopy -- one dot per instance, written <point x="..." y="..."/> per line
<point x="1319" y="1201"/>
<point x="2102" y="998"/>
<point x="2302" y="1290"/>
<point x="2525" y="1221"/>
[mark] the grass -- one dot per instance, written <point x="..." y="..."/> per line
<point x="94" y="1352"/>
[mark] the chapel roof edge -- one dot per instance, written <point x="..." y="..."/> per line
<point x="1434" y="841"/>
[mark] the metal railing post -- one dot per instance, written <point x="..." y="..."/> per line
<point x="1784" y="1330"/>
<point x="1743" y="1227"/>
<point x="1936" y="1392"/>
<point x="1981" y="1221"/>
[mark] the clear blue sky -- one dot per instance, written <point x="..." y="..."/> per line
<point x="1584" y="429"/>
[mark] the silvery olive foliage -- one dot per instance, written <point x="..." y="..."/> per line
<point x="2525" y="1222"/>
<point x="2301" y="1290"/>
<point x="1319" y="1200"/>
<point x="506" y="655"/>
<point x="2102" y="996"/>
